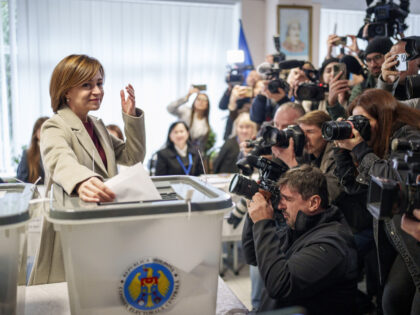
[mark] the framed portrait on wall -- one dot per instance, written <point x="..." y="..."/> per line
<point x="294" y="25"/>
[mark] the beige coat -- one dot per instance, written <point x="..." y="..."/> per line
<point x="70" y="157"/>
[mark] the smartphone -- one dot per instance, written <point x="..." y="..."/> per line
<point x="201" y="87"/>
<point x="402" y="62"/>
<point x="341" y="41"/>
<point x="340" y="67"/>
<point x="248" y="91"/>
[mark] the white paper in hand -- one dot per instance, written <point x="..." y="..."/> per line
<point x="133" y="184"/>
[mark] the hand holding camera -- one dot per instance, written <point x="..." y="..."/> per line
<point x="259" y="209"/>
<point x="388" y="69"/>
<point x="287" y="155"/>
<point x="349" y="144"/>
<point x="354" y="48"/>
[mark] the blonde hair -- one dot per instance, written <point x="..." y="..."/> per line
<point x="246" y="119"/>
<point x="70" y="72"/>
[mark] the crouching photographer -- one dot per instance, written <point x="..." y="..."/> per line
<point x="312" y="261"/>
<point x="398" y="253"/>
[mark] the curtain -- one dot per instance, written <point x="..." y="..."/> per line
<point x="161" y="48"/>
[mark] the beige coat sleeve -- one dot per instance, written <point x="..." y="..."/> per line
<point x="63" y="159"/>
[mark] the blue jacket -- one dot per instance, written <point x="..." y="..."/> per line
<point x="263" y="109"/>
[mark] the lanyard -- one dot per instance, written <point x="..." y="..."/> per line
<point x="186" y="171"/>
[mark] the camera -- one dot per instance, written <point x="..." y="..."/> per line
<point x="341" y="41"/>
<point x="340" y="130"/>
<point x="274" y="137"/>
<point x="234" y="77"/>
<point x="276" y="84"/>
<point x="387" y="197"/>
<point x="412" y="47"/>
<point x="412" y="86"/>
<point x="313" y="91"/>
<point x="258" y="147"/>
<point x="388" y="18"/>
<point x="269" y="173"/>
<point x="279" y="56"/>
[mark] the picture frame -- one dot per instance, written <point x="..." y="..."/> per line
<point x="294" y="26"/>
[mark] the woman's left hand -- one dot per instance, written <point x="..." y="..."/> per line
<point x="128" y="105"/>
<point x="349" y="144"/>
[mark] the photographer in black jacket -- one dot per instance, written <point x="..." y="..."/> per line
<point x="398" y="253"/>
<point x="312" y="262"/>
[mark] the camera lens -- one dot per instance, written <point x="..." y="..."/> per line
<point x="243" y="186"/>
<point x="336" y="130"/>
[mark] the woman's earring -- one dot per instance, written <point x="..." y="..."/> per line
<point x="67" y="100"/>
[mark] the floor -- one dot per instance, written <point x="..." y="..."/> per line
<point x="240" y="285"/>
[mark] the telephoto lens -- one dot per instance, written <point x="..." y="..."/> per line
<point x="243" y="186"/>
<point x="336" y="130"/>
<point x="340" y="130"/>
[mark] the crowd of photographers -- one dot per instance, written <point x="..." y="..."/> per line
<point x="337" y="198"/>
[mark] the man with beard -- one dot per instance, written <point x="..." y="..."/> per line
<point x="311" y="262"/>
<point x="374" y="58"/>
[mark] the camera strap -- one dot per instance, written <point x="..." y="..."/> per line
<point x="186" y="171"/>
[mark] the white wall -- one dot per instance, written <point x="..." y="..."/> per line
<point x="253" y="21"/>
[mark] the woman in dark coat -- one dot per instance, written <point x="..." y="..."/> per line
<point x="179" y="157"/>
<point x="244" y="129"/>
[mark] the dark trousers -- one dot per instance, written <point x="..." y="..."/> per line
<point x="400" y="296"/>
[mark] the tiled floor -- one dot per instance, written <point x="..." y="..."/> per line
<point x="240" y="285"/>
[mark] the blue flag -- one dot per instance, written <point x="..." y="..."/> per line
<point x="243" y="45"/>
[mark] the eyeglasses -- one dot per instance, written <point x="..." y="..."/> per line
<point x="375" y="58"/>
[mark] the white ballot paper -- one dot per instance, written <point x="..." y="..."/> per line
<point x="133" y="184"/>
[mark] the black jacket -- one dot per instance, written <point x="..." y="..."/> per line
<point x="225" y="161"/>
<point x="314" y="266"/>
<point x="167" y="163"/>
<point x="388" y="234"/>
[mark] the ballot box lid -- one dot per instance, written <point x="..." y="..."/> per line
<point x="173" y="190"/>
<point x="14" y="203"/>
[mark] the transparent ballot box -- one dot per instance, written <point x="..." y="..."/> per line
<point x="14" y="215"/>
<point x="143" y="257"/>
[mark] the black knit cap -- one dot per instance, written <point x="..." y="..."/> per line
<point x="325" y="63"/>
<point x="378" y="45"/>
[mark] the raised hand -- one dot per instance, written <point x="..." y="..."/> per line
<point x="337" y="90"/>
<point x="128" y="104"/>
<point x="389" y="74"/>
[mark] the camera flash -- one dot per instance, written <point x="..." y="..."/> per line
<point x="235" y="56"/>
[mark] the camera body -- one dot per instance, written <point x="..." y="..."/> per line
<point x="234" y="77"/>
<point x="387" y="197"/>
<point x="388" y="19"/>
<point x="276" y="84"/>
<point x="340" y="130"/>
<point x="269" y="173"/>
<point x="274" y="137"/>
<point x="312" y="91"/>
